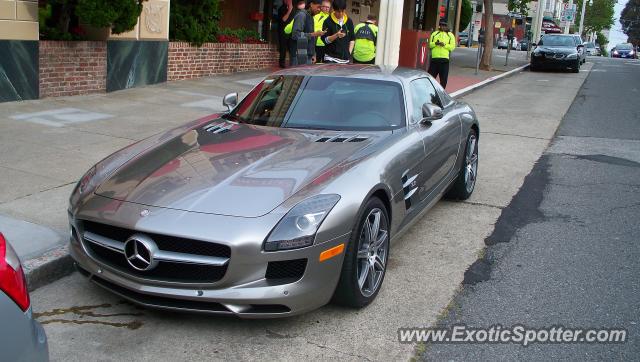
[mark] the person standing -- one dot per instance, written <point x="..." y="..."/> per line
<point x="441" y="42"/>
<point x="318" y="23"/>
<point x="303" y="36"/>
<point x="364" y="51"/>
<point x="339" y="37"/>
<point x="284" y="18"/>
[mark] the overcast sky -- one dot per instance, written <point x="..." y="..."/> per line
<point x="616" y="35"/>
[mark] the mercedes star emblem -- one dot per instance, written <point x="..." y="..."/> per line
<point x="140" y="251"/>
<point x="145" y="212"/>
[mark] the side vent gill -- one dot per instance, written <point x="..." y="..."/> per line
<point x="342" y="139"/>
<point x="218" y="128"/>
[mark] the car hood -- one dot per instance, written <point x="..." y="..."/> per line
<point x="231" y="169"/>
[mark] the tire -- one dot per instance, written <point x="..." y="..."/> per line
<point x="353" y="289"/>
<point x="464" y="184"/>
<point x="576" y="69"/>
<point x="532" y="68"/>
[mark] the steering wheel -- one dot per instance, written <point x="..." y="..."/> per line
<point x="379" y="118"/>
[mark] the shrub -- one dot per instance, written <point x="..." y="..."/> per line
<point x="59" y="19"/>
<point x="119" y="15"/>
<point x="195" y="21"/>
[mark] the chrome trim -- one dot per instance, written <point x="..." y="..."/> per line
<point x="174" y="257"/>
<point x="104" y="242"/>
<point x="160" y="255"/>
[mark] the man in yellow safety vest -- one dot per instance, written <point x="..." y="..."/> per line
<point x="364" y="51"/>
<point x="441" y="42"/>
<point x="318" y="22"/>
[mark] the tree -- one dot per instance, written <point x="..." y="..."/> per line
<point x="487" y="52"/>
<point x="195" y="21"/>
<point x="519" y="6"/>
<point x="599" y="15"/>
<point x="630" y="21"/>
<point x="466" y="12"/>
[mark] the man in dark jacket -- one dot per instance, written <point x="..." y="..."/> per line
<point x="303" y="36"/>
<point x="340" y="36"/>
<point x="284" y="17"/>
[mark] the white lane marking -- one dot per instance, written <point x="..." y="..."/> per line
<point x="61" y="117"/>
<point x="194" y="93"/>
<point x="212" y="103"/>
<point x="542" y="80"/>
<point x="252" y="82"/>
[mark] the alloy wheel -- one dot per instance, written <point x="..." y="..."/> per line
<point x="471" y="162"/>
<point x="373" y="249"/>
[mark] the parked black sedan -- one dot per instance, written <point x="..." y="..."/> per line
<point x="557" y="51"/>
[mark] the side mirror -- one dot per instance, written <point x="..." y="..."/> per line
<point x="430" y="112"/>
<point x="230" y="100"/>
<point x="534" y="44"/>
<point x="581" y="46"/>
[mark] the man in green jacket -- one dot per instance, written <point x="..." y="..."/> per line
<point x="364" y="51"/>
<point x="441" y="42"/>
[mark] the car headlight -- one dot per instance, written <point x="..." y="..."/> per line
<point x="84" y="186"/>
<point x="298" y="227"/>
<point x="572" y="56"/>
<point x="631" y="52"/>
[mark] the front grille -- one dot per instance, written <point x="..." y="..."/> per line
<point x="164" y="242"/>
<point x="291" y="270"/>
<point x="165" y="271"/>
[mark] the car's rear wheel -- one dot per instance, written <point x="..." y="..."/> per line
<point x="465" y="183"/>
<point x="365" y="262"/>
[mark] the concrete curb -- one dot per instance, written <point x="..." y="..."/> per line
<point x="48" y="268"/>
<point x="473" y="87"/>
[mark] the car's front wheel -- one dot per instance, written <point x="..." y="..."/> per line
<point x="365" y="262"/>
<point x="465" y="183"/>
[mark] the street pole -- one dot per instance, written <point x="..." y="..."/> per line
<point x="584" y="9"/>
<point x="480" y="45"/>
<point x="538" y="24"/>
<point x="567" y="24"/>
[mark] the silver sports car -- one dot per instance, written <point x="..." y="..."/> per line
<point x="289" y="200"/>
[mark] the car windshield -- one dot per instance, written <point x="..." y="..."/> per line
<point x="591" y="45"/>
<point x="558" y="41"/>
<point x="321" y="102"/>
<point x="623" y="47"/>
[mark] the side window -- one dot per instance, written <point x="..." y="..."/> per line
<point x="422" y="91"/>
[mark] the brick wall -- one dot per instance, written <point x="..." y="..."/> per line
<point x="186" y="61"/>
<point x="72" y="67"/>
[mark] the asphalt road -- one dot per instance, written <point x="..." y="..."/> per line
<point x="565" y="251"/>
<point x="426" y="266"/>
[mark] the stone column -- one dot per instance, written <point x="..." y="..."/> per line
<point x="153" y="23"/>
<point x="19" y="20"/>
<point x="390" y="27"/>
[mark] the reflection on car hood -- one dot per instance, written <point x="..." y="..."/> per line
<point x="230" y="169"/>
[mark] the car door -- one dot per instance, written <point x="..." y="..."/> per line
<point x="441" y="137"/>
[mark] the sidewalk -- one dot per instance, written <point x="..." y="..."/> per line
<point x="463" y="66"/>
<point x="46" y="146"/>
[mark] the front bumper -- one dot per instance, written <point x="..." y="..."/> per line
<point x="244" y="289"/>
<point x="552" y="63"/>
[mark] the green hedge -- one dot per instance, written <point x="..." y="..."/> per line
<point x="195" y="21"/>
<point x="60" y="19"/>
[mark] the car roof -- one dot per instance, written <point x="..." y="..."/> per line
<point x="360" y="71"/>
